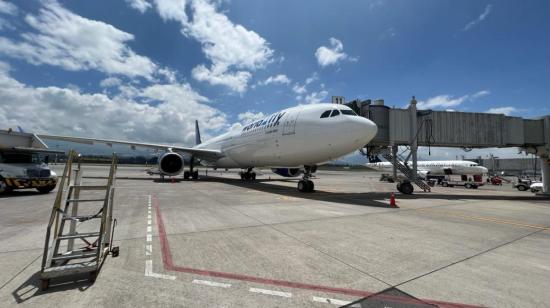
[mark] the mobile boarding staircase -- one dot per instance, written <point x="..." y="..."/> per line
<point x="92" y="225"/>
<point x="409" y="173"/>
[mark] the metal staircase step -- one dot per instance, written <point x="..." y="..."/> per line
<point x="86" y="200"/>
<point x="82" y="218"/>
<point x="79" y="235"/>
<point x="76" y="255"/>
<point x="89" y="187"/>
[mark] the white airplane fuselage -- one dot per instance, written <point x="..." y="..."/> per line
<point x="293" y="137"/>
<point x="440" y="167"/>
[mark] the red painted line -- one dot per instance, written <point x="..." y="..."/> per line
<point x="169" y="265"/>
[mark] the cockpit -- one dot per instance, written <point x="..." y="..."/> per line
<point x="336" y="112"/>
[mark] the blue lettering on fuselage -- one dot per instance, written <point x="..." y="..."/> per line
<point x="272" y="120"/>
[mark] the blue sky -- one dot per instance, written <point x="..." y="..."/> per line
<point x="140" y="69"/>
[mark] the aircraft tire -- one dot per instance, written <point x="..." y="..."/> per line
<point x="186" y="175"/>
<point x="302" y="186"/>
<point x="310" y="186"/>
<point x="195" y="175"/>
<point x="253" y="176"/>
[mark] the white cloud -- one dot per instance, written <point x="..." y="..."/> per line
<point x="333" y="54"/>
<point x="236" y="81"/>
<point x="299" y="89"/>
<point x="7" y="8"/>
<point x="169" y="118"/>
<point x="110" y="82"/>
<point x="141" y="5"/>
<point x="234" y="51"/>
<point x="278" y="79"/>
<point x="441" y="101"/>
<point x="249" y="116"/>
<point x="312" y="78"/>
<point x="479" y="19"/>
<point x="64" y="39"/>
<point x="316" y="97"/>
<point x="446" y="101"/>
<point x="481" y="94"/>
<point x="503" y="110"/>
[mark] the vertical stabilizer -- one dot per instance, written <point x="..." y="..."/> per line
<point x="197" y="133"/>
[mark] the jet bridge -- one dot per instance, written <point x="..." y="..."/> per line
<point x="412" y="128"/>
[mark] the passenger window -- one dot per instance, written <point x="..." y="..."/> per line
<point x="334" y="113"/>
<point x="325" y="114"/>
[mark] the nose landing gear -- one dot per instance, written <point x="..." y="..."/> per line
<point x="305" y="184"/>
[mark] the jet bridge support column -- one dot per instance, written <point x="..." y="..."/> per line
<point x="413" y="139"/>
<point x="394" y="161"/>
<point x="545" y="168"/>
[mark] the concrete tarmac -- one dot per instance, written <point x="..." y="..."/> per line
<point x="221" y="242"/>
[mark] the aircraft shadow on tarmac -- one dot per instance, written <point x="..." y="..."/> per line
<point x="31" y="287"/>
<point x="22" y="193"/>
<point x="356" y="198"/>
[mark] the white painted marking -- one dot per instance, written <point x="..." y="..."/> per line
<point x="149" y="216"/>
<point x="148" y="250"/>
<point x="149" y="221"/>
<point x="333" y="301"/>
<point x="149" y="272"/>
<point x="212" y="283"/>
<point x="149" y="237"/>
<point x="271" y="292"/>
<point x="149" y="229"/>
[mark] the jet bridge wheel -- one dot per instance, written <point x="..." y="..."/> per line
<point x="405" y="188"/>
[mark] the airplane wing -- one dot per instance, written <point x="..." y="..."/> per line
<point x="198" y="153"/>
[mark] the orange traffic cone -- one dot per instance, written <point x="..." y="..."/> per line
<point x="392" y="200"/>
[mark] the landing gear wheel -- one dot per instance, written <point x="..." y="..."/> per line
<point x="398" y="186"/>
<point x="195" y="175"/>
<point x="310" y="186"/>
<point x="253" y="176"/>
<point x="406" y="188"/>
<point x="302" y="186"/>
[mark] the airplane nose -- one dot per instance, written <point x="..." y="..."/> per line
<point x="364" y="130"/>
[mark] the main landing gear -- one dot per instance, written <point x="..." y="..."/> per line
<point x="194" y="175"/>
<point x="305" y="184"/>
<point x="248" y="175"/>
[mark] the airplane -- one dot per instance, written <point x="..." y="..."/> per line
<point x="437" y="167"/>
<point x="288" y="141"/>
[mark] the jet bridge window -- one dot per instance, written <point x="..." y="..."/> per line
<point x="325" y="114"/>
<point x="348" y="112"/>
<point x="335" y="113"/>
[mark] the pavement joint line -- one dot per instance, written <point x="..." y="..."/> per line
<point x="332" y="301"/>
<point x="21" y="271"/>
<point x="490" y="219"/>
<point x="468" y="258"/>
<point x="149" y="252"/>
<point x="271" y="292"/>
<point x="211" y="283"/>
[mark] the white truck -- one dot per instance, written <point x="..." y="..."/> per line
<point x="25" y="170"/>
<point x="467" y="180"/>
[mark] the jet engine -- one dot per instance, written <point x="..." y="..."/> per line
<point x="171" y="163"/>
<point x="287" y="172"/>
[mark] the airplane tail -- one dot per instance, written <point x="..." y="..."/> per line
<point x="197" y="133"/>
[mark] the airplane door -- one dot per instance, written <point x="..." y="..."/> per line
<point x="289" y="125"/>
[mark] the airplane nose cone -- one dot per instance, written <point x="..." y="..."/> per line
<point x="364" y="130"/>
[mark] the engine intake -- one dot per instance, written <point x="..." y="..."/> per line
<point x="287" y="172"/>
<point x="171" y="163"/>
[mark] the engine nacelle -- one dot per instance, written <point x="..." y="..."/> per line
<point x="171" y="163"/>
<point x="287" y="172"/>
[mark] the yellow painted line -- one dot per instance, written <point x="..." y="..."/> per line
<point x="495" y="220"/>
